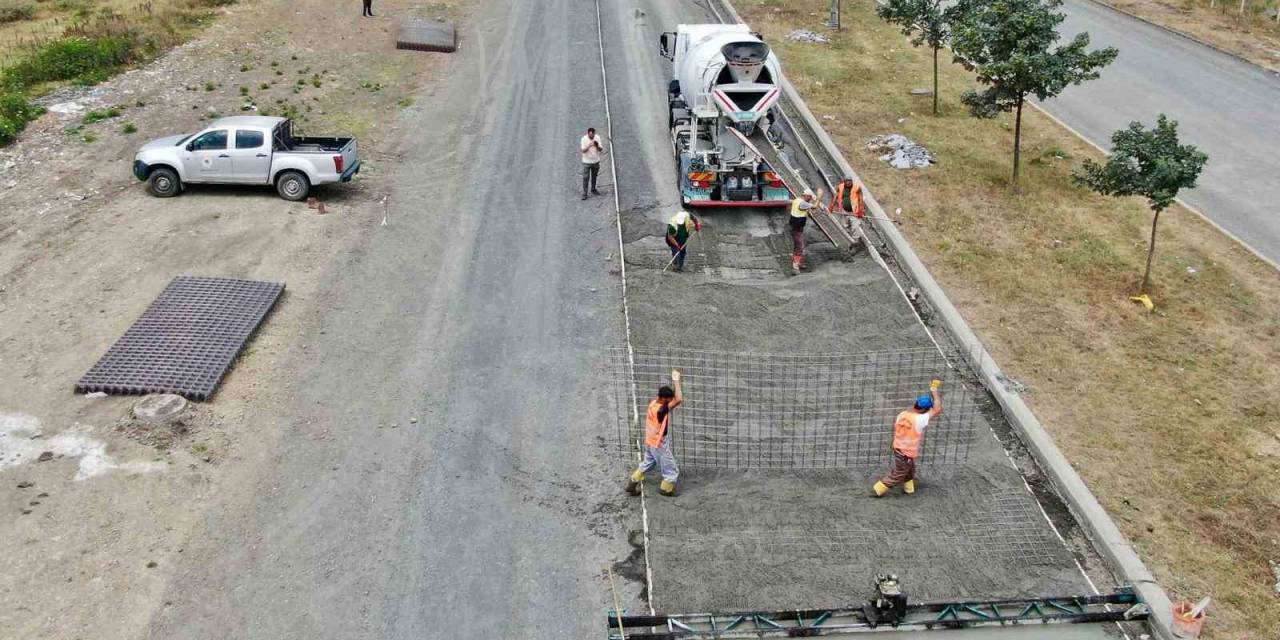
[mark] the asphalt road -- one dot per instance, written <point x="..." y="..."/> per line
<point x="1223" y="105"/>
<point x="477" y="321"/>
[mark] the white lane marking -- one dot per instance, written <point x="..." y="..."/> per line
<point x="626" y="311"/>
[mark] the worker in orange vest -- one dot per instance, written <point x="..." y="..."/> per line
<point x="908" y="432"/>
<point x="657" y="440"/>
<point x="847" y="200"/>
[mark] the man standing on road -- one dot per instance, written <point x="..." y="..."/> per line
<point x="908" y="431"/>
<point x="657" y="440"/>
<point x="848" y="201"/>
<point x="800" y="208"/>
<point x="679" y="229"/>
<point x="368" y="9"/>
<point x="591" y="149"/>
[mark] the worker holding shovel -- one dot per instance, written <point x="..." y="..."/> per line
<point x="682" y="225"/>
<point x="908" y="432"/>
<point x="847" y="201"/>
<point x="800" y="208"/>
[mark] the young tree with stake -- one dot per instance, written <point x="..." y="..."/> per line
<point x="1149" y="163"/>
<point x="1009" y="44"/>
<point x="926" y="22"/>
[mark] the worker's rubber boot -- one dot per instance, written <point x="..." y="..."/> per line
<point x="909" y="487"/>
<point x="880" y="488"/>
<point x="667" y="489"/>
<point x="633" y="483"/>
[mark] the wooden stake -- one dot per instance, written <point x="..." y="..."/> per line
<point x="617" y="610"/>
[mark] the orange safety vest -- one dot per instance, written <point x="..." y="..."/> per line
<point x="906" y="440"/>
<point x="837" y="203"/>
<point x="654" y="430"/>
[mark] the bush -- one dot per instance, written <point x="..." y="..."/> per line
<point x="79" y="59"/>
<point x="16" y="10"/>
<point x="15" y="113"/>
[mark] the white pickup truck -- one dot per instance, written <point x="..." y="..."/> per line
<point x="246" y="150"/>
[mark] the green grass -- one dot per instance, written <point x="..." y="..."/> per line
<point x="95" y="44"/>
<point x="16" y="10"/>
<point x="1157" y="411"/>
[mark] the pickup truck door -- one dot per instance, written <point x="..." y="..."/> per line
<point x="251" y="156"/>
<point x="206" y="158"/>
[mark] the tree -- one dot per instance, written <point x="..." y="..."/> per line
<point x="1009" y="44"/>
<point x="924" y="21"/>
<point x="1149" y="163"/>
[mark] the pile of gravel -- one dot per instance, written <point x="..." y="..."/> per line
<point x="900" y="152"/>
<point x="804" y="35"/>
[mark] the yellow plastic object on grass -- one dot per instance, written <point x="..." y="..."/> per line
<point x="1145" y="301"/>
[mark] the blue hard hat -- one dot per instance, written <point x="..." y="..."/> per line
<point x="924" y="402"/>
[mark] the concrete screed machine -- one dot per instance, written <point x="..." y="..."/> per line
<point x="724" y="88"/>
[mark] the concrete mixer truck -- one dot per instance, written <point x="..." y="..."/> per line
<point x="725" y="81"/>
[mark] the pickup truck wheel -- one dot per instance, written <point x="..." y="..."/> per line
<point x="164" y="183"/>
<point x="292" y="185"/>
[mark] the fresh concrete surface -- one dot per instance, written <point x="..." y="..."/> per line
<point x="1223" y="105"/>
<point x="727" y="542"/>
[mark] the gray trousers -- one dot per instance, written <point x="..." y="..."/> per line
<point x="590" y="170"/>
<point x="662" y="457"/>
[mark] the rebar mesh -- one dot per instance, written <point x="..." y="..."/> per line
<point x="752" y="411"/>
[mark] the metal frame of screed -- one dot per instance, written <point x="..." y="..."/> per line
<point x="755" y="411"/>
<point x="1118" y="606"/>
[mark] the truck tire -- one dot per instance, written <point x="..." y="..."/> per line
<point x="164" y="182"/>
<point x="292" y="185"/>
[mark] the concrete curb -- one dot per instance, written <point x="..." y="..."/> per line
<point x="1098" y="526"/>
<point x="1188" y="36"/>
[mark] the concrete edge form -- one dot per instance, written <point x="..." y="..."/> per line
<point x="1098" y="526"/>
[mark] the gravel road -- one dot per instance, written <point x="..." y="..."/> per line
<point x="1223" y="105"/>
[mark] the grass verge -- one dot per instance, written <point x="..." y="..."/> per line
<point x="1249" y="30"/>
<point x="1169" y="416"/>
<point x="98" y="42"/>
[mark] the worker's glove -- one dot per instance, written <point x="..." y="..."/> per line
<point x="935" y="385"/>
<point x="675" y="375"/>
<point x="697" y="226"/>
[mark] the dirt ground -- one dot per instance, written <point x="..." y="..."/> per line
<point x="87" y="533"/>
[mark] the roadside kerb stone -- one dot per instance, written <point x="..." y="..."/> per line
<point x="1100" y="528"/>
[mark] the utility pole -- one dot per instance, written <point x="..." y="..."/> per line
<point x="834" y="20"/>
